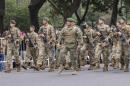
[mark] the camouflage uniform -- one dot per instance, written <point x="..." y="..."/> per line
<point x="13" y="39"/>
<point x="41" y="55"/>
<point x="125" y="48"/>
<point x="32" y="51"/>
<point x="71" y="36"/>
<point x="49" y="41"/>
<point x="88" y="46"/>
<point x="102" y="47"/>
<point x="116" y="49"/>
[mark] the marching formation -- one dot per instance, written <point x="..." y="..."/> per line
<point x="67" y="49"/>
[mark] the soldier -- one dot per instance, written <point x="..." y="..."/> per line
<point x="47" y="33"/>
<point x="41" y="55"/>
<point x="88" y="36"/>
<point x="32" y="51"/>
<point x="125" y="30"/>
<point x="116" y="48"/>
<point x="102" y="46"/>
<point x="12" y="46"/>
<point x="71" y="36"/>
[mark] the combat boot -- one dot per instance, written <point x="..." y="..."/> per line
<point x="37" y="68"/>
<point x="51" y="68"/>
<point x="127" y="66"/>
<point x="117" y="64"/>
<point x="8" y="69"/>
<point x="122" y="67"/>
<point x="42" y="67"/>
<point x="105" y="68"/>
<point x="18" y="66"/>
<point x="24" y="66"/>
<point x="75" y="73"/>
<point x="68" y="66"/>
<point x="97" y="66"/>
<point x="61" y="68"/>
<point x="112" y="63"/>
<point x="90" y="67"/>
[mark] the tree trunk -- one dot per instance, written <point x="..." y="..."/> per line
<point x="2" y="13"/>
<point x="1" y="24"/>
<point x="34" y="8"/>
<point x="80" y="20"/>
<point x="114" y="12"/>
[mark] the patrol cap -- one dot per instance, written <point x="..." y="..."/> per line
<point x="89" y="23"/>
<point x="12" y="21"/>
<point x="101" y="18"/>
<point x="32" y="26"/>
<point x="46" y="19"/>
<point x="71" y="20"/>
<point x="122" y="20"/>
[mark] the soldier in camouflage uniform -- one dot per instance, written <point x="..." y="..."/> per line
<point x="32" y="51"/>
<point x="41" y="55"/>
<point x="102" y="46"/>
<point x="125" y="30"/>
<point x="47" y="33"/>
<point x="116" y="47"/>
<point x="13" y="39"/>
<point x="88" y="36"/>
<point x="71" y="36"/>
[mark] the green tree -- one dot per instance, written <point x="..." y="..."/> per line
<point x="18" y="13"/>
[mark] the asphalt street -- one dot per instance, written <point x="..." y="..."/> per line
<point x="84" y="78"/>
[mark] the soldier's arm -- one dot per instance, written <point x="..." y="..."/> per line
<point x="53" y="34"/>
<point x="110" y="34"/>
<point x="18" y="32"/>
<point x="40" y="30"/>
<point x="94" y="33"/>
<point x="61" y="36"/>
<point x="79" y="36"/>
<point x="36" y="40"/>
<point x="129" y="34"/>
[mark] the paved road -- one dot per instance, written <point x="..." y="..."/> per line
<point x="85" y="78"/>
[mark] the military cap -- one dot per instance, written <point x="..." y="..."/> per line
<point x="101" y="18"/>
<point x="46" y="19"/>
<point x="71" y="20"/>
<point x="89" y="23"/>
<point x="32" y="26"/>
<point x="12" y="21"/>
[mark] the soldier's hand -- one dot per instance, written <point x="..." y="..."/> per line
<point x="98" y="34"/>
<point x="41" y="35"/>
<point x="116" y="33"/>
<point x="119" y="33"/>
<point x="84" y="36"/>
<point x="128" y="42"/>
<point x="9" y="36"/>
<point x="104" y="44"/>
<point x="58" y="45"/>
<point x="79" y="46"/>
<point x="107" y="39"/>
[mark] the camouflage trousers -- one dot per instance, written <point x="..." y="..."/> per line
<point x="86" y="51"/>
<point x="73" y="56"/>
<point x="12" y="52"/>
<point x="50" y="55"/>
<point x="125" y="57"/>
<point x="41" y="56"/>
<point x="105" y="54"/>
<point x="116" y="55"/>
<point x="97" y="54"/>
<point x="32" y="53"/>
